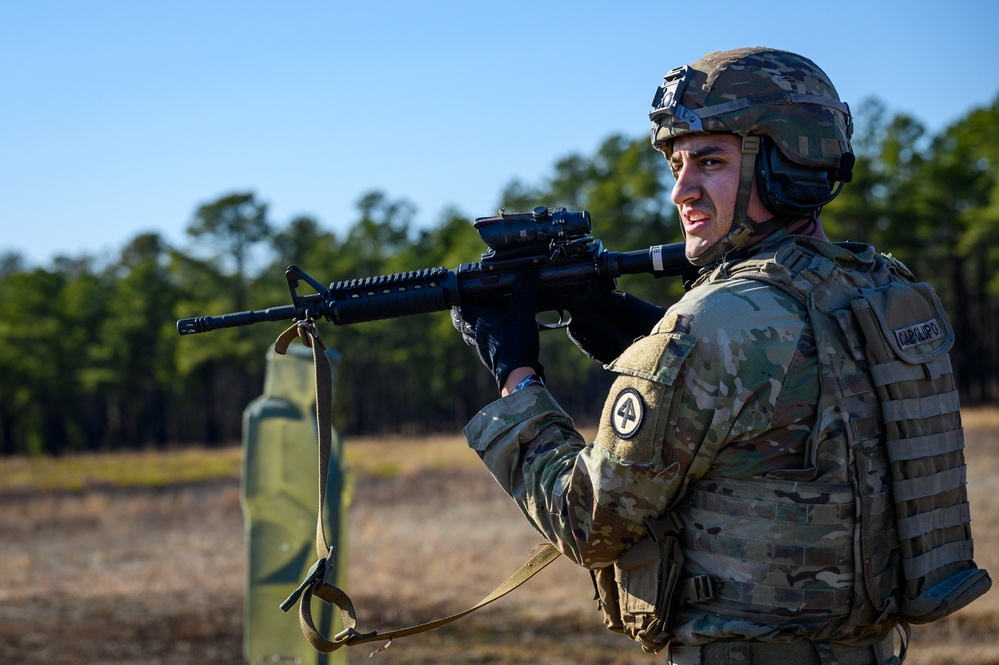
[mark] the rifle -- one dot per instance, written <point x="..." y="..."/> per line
<point x="556" y="243"/>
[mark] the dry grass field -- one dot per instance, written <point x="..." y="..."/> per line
<point x="108" y="560"/>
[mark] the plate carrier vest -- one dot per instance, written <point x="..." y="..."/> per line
<point x="875" y="528"/>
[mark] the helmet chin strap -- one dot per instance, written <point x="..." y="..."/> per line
<point x="743" y="228"/>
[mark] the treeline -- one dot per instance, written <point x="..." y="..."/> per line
<point x="90" y="358"/>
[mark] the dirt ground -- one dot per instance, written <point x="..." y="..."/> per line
<point x="123" y="576"/>
<point x="156" y="576"/>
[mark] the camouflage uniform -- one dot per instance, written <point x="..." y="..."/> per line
<point x="726" y="384"/>
<point x="772" y="415"/>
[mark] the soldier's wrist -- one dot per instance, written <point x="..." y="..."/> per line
<point x="516" y="377"/>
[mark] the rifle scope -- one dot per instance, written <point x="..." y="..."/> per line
<point x="538" y="226"/>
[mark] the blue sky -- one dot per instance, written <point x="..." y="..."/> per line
<point x="121" y="117"/>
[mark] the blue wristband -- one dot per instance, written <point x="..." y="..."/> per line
<point x="530" y="379"/>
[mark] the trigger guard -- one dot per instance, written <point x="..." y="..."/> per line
<point x="564" y="319"/>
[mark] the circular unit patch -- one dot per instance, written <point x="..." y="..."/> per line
<point x="627" y="413"/>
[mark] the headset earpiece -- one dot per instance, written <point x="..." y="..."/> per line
<point x="789" y="189"/>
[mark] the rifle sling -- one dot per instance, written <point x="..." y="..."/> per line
<point x="319" y="581"/>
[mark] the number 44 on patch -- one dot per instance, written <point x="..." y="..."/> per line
<point x="627" y="413"/>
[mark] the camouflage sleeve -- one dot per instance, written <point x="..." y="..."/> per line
<point x="589" y="500"/>
<point x="573" y="493"/>
<point x="684" y="392"/>
<point x="528" y="419"/>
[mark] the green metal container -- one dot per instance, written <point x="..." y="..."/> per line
<point x="279" y="498"/>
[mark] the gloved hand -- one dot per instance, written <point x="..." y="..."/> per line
<point x="506" y="338"/>
<point x="608" y="321"/>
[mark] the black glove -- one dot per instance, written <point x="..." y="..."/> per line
<point x="506" y="338"/>
<point x="608" y="321"/>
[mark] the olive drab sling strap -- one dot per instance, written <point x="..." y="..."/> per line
<point x="319" y="581"/>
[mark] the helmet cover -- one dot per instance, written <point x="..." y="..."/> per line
<point x="756" y="91"/>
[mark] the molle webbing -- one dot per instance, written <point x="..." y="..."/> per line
<point x="908" y="338"/>
<point x="791" y="543"/>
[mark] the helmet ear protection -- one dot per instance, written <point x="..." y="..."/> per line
<point x="789" y="189"/>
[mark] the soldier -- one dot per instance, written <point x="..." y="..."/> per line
<point x="737" y="504"/>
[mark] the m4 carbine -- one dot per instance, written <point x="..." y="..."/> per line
<point x="556" y="243"/>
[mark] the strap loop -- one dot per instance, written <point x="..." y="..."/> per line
<point x="321" y="577"/>
<point x="350" y="636"/>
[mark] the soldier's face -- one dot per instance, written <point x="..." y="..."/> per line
<point x="706" y="167"/>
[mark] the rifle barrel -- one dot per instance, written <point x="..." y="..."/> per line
<point x="659" y="260"/>
<point x="202" y="324"/>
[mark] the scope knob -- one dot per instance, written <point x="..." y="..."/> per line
<point x="539" y="213"/>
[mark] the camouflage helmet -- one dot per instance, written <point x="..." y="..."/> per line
<point x="756" y="91"/>
<point x="795" y="133"/>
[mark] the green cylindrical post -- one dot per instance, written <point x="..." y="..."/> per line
<point x="280" y="500"/>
